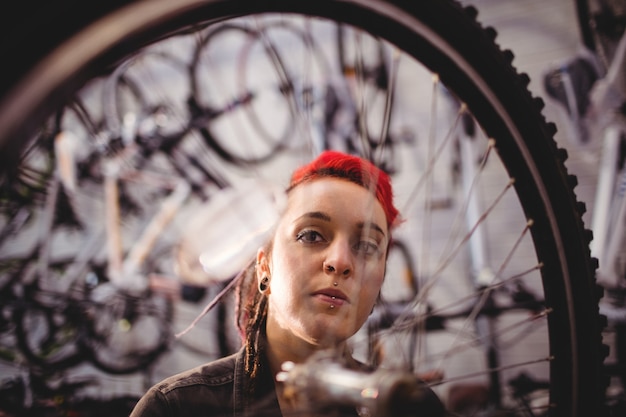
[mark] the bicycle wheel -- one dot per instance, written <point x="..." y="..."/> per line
<point x="125" y="333"/>
<point x="365" y="60"/>
<point x="227" y="48"/>
<point x="429" y="38"/>
<point x="47" y="337"/>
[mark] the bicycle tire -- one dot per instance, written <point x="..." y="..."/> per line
<point x="112" y="348"/>
<point x="449" y="41"/>
<point x="53" y="352"/>
<point x="244" y="102"/>
<point x="122" y="90"/>
<point x="374" y="74"/>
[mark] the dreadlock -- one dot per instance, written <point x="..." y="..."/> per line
<point x="251" y="314"/>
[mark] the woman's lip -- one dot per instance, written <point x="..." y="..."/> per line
<point x="332" y="296"/>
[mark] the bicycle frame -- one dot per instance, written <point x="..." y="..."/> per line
<point x="609" y="214"/>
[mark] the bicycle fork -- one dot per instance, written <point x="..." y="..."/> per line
<point x="609" y="231"/>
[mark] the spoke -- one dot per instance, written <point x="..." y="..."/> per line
<point x="437" y="274"/>
<point x="471" y="318"/>
<point x="424" y="261"/>
<point x="475" y="341"/>
<point x="389" y="96"/>
<point x="454" y="306"/>
<point x="462" y="213"/>
<point x="409" y="320"/>
<point x="431" y="162"/>
<point x="361" y="94"/>
<point x="214" y="302"/>
<point x="490" y="370"/>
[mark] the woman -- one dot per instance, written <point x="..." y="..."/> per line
<point x="313" y="286"/>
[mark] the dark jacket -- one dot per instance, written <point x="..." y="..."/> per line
<point x="218" y="389"/>
<point x="214" y="389"/>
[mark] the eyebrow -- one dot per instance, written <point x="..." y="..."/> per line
<point x="317" y="215"/>
<point x="325" y="217"/>
<point x="372" y="225"/>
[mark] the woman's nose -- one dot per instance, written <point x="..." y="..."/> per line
<point x="339" y="259"/>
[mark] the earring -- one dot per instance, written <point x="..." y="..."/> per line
<point x="264" y="284"/>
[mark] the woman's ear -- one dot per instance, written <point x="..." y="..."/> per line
<point x="262" y="268"/>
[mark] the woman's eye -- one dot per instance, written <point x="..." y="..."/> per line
<point x="367" y="248"/>
<point x="309" y="236"/>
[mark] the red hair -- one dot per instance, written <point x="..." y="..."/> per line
<point x="352" y="168"/>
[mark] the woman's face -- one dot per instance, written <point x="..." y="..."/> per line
<point x="327" y="262"/>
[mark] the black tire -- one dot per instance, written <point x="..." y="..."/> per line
<point x="47" y="338"/>
<point x="445" y="38"/>
<point x="119" y="350"/>
<point x="243" y="103"/>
